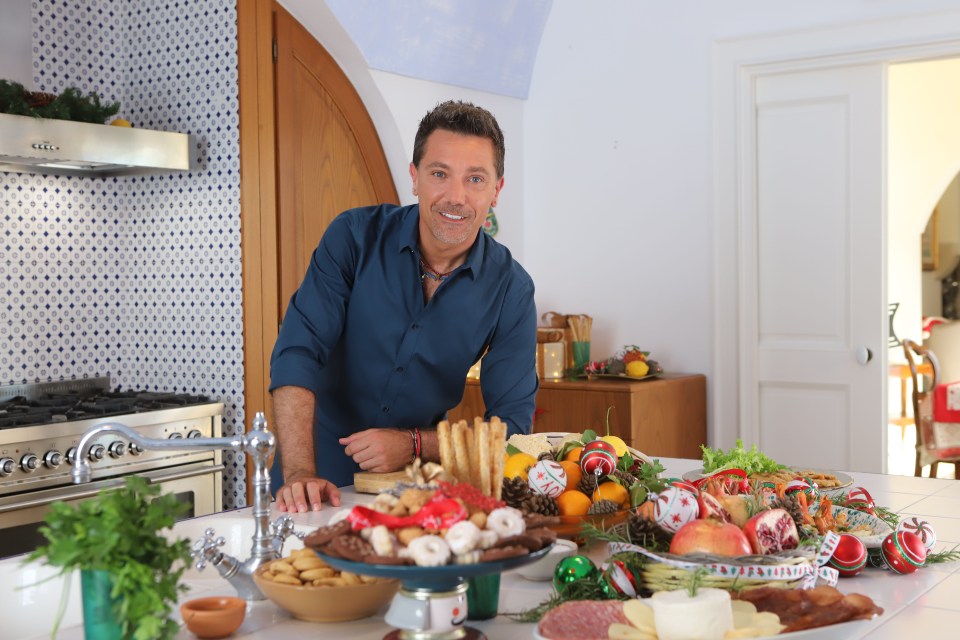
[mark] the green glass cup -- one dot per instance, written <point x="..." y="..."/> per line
<point x="581" y="355"/>
<point x="99" y="623"/>
<point x="483" y="596"/>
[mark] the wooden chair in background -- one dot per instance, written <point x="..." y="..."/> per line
<point x="923" y="391"/>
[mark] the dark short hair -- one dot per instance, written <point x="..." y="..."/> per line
<point x="464" y="118"/>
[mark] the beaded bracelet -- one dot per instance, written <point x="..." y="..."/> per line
<point x="415" y="438"/>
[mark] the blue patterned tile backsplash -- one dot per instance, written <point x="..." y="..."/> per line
<point x="136" y="277"/>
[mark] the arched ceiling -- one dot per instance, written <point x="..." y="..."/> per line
<point x="490" y="45"/>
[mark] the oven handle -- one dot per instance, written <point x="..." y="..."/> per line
<point x="152" y="477"/>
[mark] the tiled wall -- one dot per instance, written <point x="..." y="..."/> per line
<point x="138" y="277"/>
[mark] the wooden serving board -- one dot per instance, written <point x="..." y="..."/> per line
<point x="369" y="482"/>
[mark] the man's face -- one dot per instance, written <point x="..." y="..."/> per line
<point x="456" y="184"/>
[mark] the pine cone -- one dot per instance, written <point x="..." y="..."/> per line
<point x="588" y="483"/>
<point x="536" y="503"/>
<point x="601" y="507"/>
<point x="626" y="479"/>
<point x="647" y="533"/>
<point x="791" y="505"/>
<point x="514" y="491"/>
<point x="546" y="455"/>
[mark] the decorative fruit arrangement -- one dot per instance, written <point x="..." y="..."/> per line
<point x="631" y="361"/>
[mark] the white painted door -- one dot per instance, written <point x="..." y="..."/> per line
<point x="813" y="300"/>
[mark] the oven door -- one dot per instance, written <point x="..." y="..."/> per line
<point x="198" y="485"/>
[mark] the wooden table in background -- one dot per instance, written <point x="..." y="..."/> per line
<point x="662" y="417"/>
<point x="902" y="371"/>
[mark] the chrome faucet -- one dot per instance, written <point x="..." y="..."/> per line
<point x="268" y="538"/>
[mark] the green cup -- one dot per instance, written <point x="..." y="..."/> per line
<point x="483" y="596"/>
<point x="581" y="354"/>
<point x="99" y="623"/>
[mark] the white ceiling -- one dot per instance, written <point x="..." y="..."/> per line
<point x="490" y="46"/>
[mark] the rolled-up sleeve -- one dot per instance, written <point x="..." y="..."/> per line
<point x="315" y="315"/>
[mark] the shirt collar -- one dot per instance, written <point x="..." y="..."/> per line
<point x="410" y="236"/>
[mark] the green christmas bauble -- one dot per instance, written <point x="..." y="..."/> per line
<point x="571" y="569"/>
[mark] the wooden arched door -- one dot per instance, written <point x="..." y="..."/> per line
<point x="329" y="156"/>
<point x="308" y="150"/>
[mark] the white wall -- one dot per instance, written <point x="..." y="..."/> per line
<point x="923" y="160"/>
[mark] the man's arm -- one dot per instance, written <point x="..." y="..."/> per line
<point x="302" y="490"/>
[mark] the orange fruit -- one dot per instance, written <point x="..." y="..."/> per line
<point x="574" y="474"/>
<point x="573" y="455"/>
<point x="573" y="503"/>
<point x="612" y="491"/>
<point x="517" y="465"/>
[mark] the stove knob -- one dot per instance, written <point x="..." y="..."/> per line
<point x="71" y="455"/>
<point x="29" y="462"/>
<point x="7" y="466"/>
<point x="176" y="435"/>
<point x="117" y="449"/>
<point x="194" y="434"/>
<point x="52" y="459"/>
<point x="96" y="452"/>
<point x="135" y="449"/>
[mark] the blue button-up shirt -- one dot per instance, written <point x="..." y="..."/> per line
<point x="359" y="334"/>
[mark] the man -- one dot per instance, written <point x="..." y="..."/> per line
<point x="396" y="306"/>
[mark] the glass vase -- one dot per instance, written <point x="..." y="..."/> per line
<point x="99" y="622"/>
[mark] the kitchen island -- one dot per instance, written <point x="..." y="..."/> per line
<point x="925" y="604"/>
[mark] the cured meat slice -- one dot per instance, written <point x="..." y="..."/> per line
<point x="582" y="620"/>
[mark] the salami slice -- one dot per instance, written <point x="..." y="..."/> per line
<point x="582" y="620"/>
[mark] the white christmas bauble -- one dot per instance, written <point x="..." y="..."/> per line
<point x="547" y="478"/>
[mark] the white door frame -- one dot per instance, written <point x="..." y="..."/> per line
<point x="737" y="64"/>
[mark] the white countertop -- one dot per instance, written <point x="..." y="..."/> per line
<point x="922" y="604"/>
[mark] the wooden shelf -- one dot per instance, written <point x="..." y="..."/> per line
<point x="665" y="417"/>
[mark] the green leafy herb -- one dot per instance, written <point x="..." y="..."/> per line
<point x="72" y="104"/>
<point x="588" y="436"/>
<point x="752" y="461"/>
<point x="119" y="531"/>
<point x="625" y="463"/>
<point x="696" y="581"/>
<point x="944" y="556"/>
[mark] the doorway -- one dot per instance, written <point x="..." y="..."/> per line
<point x="753" y="390"/>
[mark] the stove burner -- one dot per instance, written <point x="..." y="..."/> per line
<point x="85" y="404"/>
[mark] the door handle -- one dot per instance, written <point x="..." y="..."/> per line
<point x="864" y="355"/>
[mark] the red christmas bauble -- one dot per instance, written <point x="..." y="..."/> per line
<point x="598" y="458"/>
<point x="850" y="557"/>
<point x="903" y="552"/>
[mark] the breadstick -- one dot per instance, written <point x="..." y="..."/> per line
<point x="483" y="454"/>
<point x="447" y="458"/>
<point x="460" y="451"/>
<point x="498" y="443"/>
<point x="473" y="449"/>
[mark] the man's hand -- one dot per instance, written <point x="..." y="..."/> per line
<point x="379" y="450"/>
<point x="306" y="493"/>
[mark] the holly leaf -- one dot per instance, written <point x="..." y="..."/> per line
<point x="638" y="494"/>
<point x="625" y="463"/>
<point x="588" y="436"/>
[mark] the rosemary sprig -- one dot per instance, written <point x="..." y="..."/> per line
<point x="577" y="590"/>
<point x="696" y="580"/>
<point x="887" y="515"/>
<point x="944" y="556"/>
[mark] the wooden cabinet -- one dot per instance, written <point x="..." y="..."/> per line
<point x="664" y="417"/>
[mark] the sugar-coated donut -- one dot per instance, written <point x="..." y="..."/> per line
<point x="487" y="539"/>
<point x="506" y="522"/>
<point x="429" y="551"/>
<point x="382" y="541"/>
<point x="463" y="537"/>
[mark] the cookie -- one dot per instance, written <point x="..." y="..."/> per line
<point x="535" y="520"/>
<point x="530" y="543"/>
<point x="324" y="535"/>
<point x="502" y="553"/>
<point x="546" y="536"/>
<point x="352" y="548"/>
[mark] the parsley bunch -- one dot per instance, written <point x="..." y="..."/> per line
<point x="752" y="461"/>
<point x="118" y="531"/>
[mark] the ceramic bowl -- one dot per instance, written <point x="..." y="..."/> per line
<point x="542" y="569"/>
<point x="213" y="617"/>
<point x="329" y="604"/>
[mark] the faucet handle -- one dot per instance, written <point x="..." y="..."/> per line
<point x="207" y="548"/>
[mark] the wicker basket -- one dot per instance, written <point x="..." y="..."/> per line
<point x="800" y="567"/>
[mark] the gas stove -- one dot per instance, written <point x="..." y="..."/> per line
<point x="41" y="424"/>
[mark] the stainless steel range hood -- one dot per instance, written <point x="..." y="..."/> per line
<point x="61" y="147"/>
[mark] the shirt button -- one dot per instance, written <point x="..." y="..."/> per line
<point x="399" y="369"/>
<point x="415" y="326"/>
<point x="385" y="409"/>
